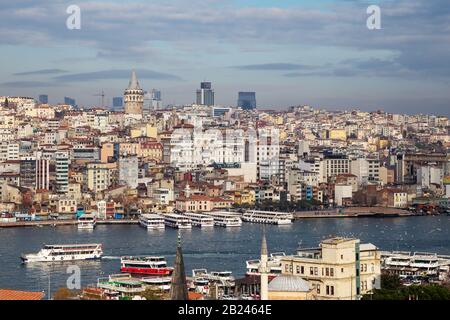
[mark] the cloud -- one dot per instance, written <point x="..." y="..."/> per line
<point x="40" y="72"/>
<point x="275" y="66"/>
<point x="115" y="74"/>
<point x="28" y="84"/>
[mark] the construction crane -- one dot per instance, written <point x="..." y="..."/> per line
<point x="101" y="94"/>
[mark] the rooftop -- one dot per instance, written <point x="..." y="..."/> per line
<point x="289" y="283"/>
<point x="6" y="294"/>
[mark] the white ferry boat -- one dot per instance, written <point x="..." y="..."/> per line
<point x="87" y="221"/>
<point x="416" y="263"/>
<point x="225" y="219"/>
<point x="69" y="252"/>
<point x="177" y="221"/>
<point x="268" y="217"/>
<point x="212" y="276"/>
<point x="274" y="264"/>
<point x="120" y="285"/>
<point x="162" y="283"/>
<point x="152" y="221"/>
<point x="200" y="220"/>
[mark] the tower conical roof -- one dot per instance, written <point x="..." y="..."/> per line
<point x="264" y="244"/>
<point x="178" y="289"/>
<point x="134" y="83"/>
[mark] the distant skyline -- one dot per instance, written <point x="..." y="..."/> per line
<point x="290" y="52"/>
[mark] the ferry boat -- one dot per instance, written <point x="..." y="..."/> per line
<point x="273" y="262"/>
<point x="152" y="221"/>
<point x="199" y="282"/>
<point x="268" y="217"/>
<point x="200" y="220"/>
<point x="177" y="221"/>
<point x="225" y="219"/>
<point x="120" y="285"/>
<point x="155" y="266"/>
<point x="87" y="221"/>
<point x="69" y="252"/>
<point x="162" y="283"/>
<point x="416" y="264"/>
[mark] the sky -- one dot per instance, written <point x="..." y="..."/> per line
<point x="290" y="52"/>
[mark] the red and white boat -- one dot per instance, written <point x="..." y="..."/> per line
<point x="154" y="266"/>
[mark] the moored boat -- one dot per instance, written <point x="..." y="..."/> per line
<point x="87" y="221"/>
<point x="152" y="221"/>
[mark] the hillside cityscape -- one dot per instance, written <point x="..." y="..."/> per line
<point x="140" y="162"/>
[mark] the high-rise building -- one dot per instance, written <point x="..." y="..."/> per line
<point x="42" y="174"/>
<point x="43" y="98"/>
<point x="247" y="100"/>
<point x="70" y="101"/>
<point x="62" y="171"/>
<point x="205" y="95"/>
<point x="117" y="103"/>
<point x="134" y="96"/>
<point x="155" y="98"/>
<point x="28" y="172"/>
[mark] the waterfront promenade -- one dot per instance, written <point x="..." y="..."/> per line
<point x="55" y="223"/>
<point x="354" y="212"/>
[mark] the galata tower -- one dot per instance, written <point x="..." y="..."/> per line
<point x="134" y="96"/>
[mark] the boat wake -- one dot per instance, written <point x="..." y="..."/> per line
<point x="110" y="258"/>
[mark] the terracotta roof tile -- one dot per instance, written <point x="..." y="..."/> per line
<point x="20" y="295"/>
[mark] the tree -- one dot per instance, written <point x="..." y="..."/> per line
<point x="65" y="294"/>
<point x="390" y="282"/>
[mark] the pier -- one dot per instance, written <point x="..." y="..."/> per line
<point x="354" y="212"/>
<point x="56" y="223"/>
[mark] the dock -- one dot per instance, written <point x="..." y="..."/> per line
<point x="354" y="212"/>
<point x="57" y="223"/>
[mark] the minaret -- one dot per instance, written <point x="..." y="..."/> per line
<point x="134" y="96"/>
<point x="178" y="288"/>
<point x="263" y="269"/>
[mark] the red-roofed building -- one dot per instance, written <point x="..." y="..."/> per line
<point x="20" y="295"/>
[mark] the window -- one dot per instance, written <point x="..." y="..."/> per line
<point x="302" y="269"/>
<point x="332" y="290"/>
<point x="297" y="269"/>
<point x="327" y="272"/>
<point x="342" y="257"/>
<point x="331" y="272"/>
<point x="316" y="271"/>
<point x="311" y="271"/>
<point x="328" y="290"/>
<point x="318" y="288"/>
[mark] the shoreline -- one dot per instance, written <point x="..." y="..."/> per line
<point x="360" y="212"/>
<point x="57" y="223"/>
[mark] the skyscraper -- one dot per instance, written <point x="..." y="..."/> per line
<point x="205" y="95"/>
<point x="247" y="100"/>
<point x="70" y="101"/>
<point x="134" y="96"/>
<point x="117" y="103"/>
<point x="43" y="98"/>
<point x="156" y="101"/>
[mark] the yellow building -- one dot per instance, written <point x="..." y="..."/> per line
<point x="100" y="175"/>
<point x="337" y="134"/>
<point x="340" y="269"/>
